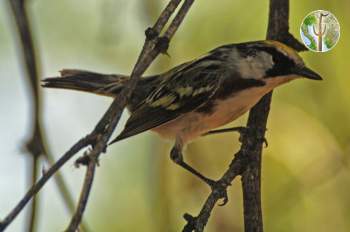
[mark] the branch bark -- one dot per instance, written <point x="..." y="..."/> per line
<point x="99" y="137"/>
<point x="152" y="47"/>
<point x="278" y="29"/>
<point x="247" y="161"/>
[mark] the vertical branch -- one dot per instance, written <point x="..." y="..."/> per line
<point x="36" y="144"/>
<point x="251" y="177"/>
<point x="33" y="146"/>
<point x="278" y="29"/>
<point x="31" y="223"/>
<point x="247" y="161"/>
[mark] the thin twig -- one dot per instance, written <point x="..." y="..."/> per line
<point x="64" y="191"/>
<point x="84" y="195"/>
<point x="33" y="169"/>
<point x="151" y="49"/>
<point x="236" y="167"/>
<point x="178" y="19"/>
<point x="33" y="146"/>
<point x="36" y="145"/>
<point x="43" y="179"/>
<point x="247" y="161"/>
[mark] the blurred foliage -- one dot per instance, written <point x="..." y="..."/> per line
<point x="310" y="20"/>
<point x="332" y="32"/>
<point x="306" y="177"/>
<point x="305" y="31"/>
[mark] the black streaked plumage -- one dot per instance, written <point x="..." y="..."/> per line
<point x="198" y="96"/>
<point x="197" y="86"/>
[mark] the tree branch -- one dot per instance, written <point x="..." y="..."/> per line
<point x="278" y="29"/>
<point x="99" y="137"/>
<point x="247" y="161"/>
<point x="32" y="218"/>
<point x="145" y="59"/>
<point x="42" y="180"/>
<point x="36" y="145"/>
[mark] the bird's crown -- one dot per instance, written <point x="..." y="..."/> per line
<point x="286" y="50"/>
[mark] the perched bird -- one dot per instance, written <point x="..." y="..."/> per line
<point x="197" y="96"/>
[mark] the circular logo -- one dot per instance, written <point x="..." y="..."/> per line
<point x="320" y="31"/>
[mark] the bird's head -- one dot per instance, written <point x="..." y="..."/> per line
<point x="269" y="59"/>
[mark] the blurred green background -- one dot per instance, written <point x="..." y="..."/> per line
<point x="305" y="177"/>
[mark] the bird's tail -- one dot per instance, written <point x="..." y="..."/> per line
<point x="102" y="84"/>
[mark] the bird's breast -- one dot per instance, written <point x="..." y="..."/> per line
<point x="193" y="124"/>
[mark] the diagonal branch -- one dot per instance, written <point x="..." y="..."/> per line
<point x="36" y="145"/>
<point x="42" y="181"/>
<point x="157" y="45"/>
<point x="247" y="161"/>
<point x="99" y="137"/>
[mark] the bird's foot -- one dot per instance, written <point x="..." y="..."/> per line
<point x="177" y="157"/>
<point x="239" y="129"/>
<point x="243" y="132"/>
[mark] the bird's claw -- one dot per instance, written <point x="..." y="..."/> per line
<point x="264" y="140"/>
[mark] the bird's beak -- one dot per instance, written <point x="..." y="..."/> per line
<point x="308" y="73"/>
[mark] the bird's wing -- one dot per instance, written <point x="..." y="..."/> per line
<point x="181" y="91"/>
<point x="184" y="89"/>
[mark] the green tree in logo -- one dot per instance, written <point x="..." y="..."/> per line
<point x="310" y="20"/>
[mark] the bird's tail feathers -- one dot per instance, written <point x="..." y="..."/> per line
<point x="102" y="84"/>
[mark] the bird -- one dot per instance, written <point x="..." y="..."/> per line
<point x="194" y="98"/>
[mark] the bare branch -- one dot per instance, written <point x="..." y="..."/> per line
<point x="84" y="195"/>
<point x="165" y="15"/>
<point x="151" y="49"/>
<point x="236" y="167"/>
<point x="178" y="19"/>
<point x="32" y="219"/>
<point x="247" y="162"/>
<point x="251" y="179"/>
<point x="43" y="179"/>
